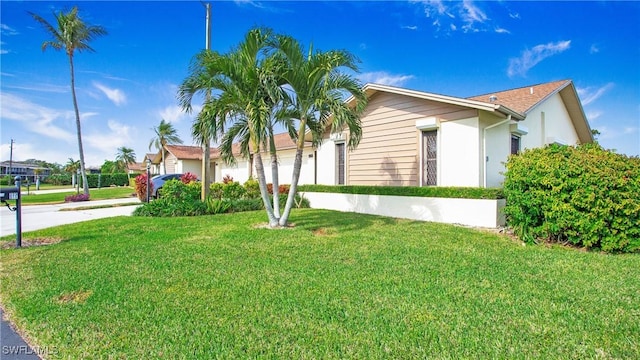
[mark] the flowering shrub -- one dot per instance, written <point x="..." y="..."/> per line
<point x="188" y="178"/>
<point x="76" y="198"/>
<point x="227" y="179"/>
<point x="141" y="186"/>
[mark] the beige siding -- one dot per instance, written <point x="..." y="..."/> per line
<point x="388" y="153"/>
<point x="170" y="161"/>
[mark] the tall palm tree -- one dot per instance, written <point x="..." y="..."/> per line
<point x="166" y="134"/>
<point x="124" y="157"/>
<point x="72" y="34"/>
<point x="247" y="86"/>
<point x="317" y="86"/>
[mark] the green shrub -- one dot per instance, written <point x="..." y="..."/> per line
<point x="233" y="190"/>
<point x="252" y="189"/>
<point x="217" y="206"/>
<point x="178" y="199"/>
<point x="58" y="179"/>
<point x="427" y="191"/>
<point x="240" y="205"/>
<point x="215" y="190"/>
<point x="5" y="180"/>
<point x="583" y="195"/>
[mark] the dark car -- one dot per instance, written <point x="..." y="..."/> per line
<point x="159" y="180"/>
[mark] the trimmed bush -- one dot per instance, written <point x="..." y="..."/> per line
<point x="583" y="195"/>
<point x="188" y="178"/>
<point x="252" y="189"/>
<point x="428" y="191"/>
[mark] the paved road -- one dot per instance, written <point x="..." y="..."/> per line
<point x="35" y="217"/>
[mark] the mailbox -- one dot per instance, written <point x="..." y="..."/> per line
<point x="9" y="193"/>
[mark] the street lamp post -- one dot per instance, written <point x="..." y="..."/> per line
<point x="148" y="176"/>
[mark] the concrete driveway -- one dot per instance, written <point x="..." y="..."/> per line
<point x="35" y="217"/>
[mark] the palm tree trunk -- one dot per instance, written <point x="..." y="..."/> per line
<point x="83" y="171"/>
<point x="275" y="178"/>
<point x="164" y="162"/>
<point x="206" y="165"/>
<point x="297" y="164"/>
<point x="262" y="182"/>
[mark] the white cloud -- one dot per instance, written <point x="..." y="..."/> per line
<point x="36" y="118"/>
<point x="410" y="27"/>
<point x="593" y="115"/>
<point x="384" y="78"/>
<point x="502" y="31"/>
<point x="174" y="113"/>
<point x="117" y="96"/>
<point x="594" y="49"/>
<point x="107" y="142"/>
<point x="471" y="14"/>
<point x="454" y="15"/>
<point x="7" y="30"/>
<point x="591" y="94"/>
<point x="531" y="57"/>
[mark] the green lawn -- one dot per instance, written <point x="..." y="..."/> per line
<point x="94" y="194"/>
<point x="337" y="285"/>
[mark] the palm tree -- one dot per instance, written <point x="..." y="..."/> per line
<point x="317" y="88"/>
<point x="247" y="84"/>
<point x="124" y="157"/>
<point x="72" y="167"/>
<point x="72" y="34"/>
<point x="166" y="134"/>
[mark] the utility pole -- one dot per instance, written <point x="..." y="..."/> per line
<point x="206" y="144"/>
<point x="10" y="158"/>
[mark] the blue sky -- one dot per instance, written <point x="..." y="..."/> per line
<point x="457" y="48"/>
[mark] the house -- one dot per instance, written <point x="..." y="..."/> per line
<point x="27" y="170"/>
<point x="413" y="138"/>
<point x="182" y="159"/>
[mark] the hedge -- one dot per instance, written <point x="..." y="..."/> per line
<point x="582" y="195"/>
<point x="427" y="191"/>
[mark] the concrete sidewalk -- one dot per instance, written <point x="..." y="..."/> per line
<point x="36" y="217"/>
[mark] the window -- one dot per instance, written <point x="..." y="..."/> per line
<point x="515" y="145"/>
<point x="429" y="158"/>
<point x="340" y="164"/>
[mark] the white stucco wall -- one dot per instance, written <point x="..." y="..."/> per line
<point x="285" y="166"/>
<point x="470" y="212"/>
<point x="192" y="166"/>
<point x="326" y="158"/>
<point x="547" y="123"/>
<point x="496" y="148"/>
<point x="458" y="153"/>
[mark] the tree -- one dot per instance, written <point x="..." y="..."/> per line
<point x="109" y="167"/>
<point x="166" y="134"/>
<point x="316" y="99"/>
<point x="124" y="157"/>
<point x="72" y="167"/>
<point x="247" y="86"/>
<point x="72" y="34"/>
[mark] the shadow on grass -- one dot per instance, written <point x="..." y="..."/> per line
<point x="315" y="219"/>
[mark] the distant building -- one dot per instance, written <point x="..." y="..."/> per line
<point x="27" y="171"/>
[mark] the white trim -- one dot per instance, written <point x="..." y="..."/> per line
<point x="518" y="129"/>
<point x="556" y="140"/>
<point x="430" y="123"/>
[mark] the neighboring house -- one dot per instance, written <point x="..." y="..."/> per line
<point x="141" y="167"/>
<point x="413" y="138"/>
<point x="26" y="170"/>
<point x="182" y="159"/>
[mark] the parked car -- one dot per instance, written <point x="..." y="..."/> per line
<point x="159" y="180"/>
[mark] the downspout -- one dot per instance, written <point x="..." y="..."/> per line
<point x="484" y="147"/>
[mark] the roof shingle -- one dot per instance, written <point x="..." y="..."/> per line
<point x="525" y="98"/>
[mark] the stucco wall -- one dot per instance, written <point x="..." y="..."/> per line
<point x="326" y="158"/>
<point x="547" y="123"/>
<point x="458" y="149"/>
<point x="470" y="212"/>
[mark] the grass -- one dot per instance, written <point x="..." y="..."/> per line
<point x="94" y="194"/>
<point x="337" y="285"/>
